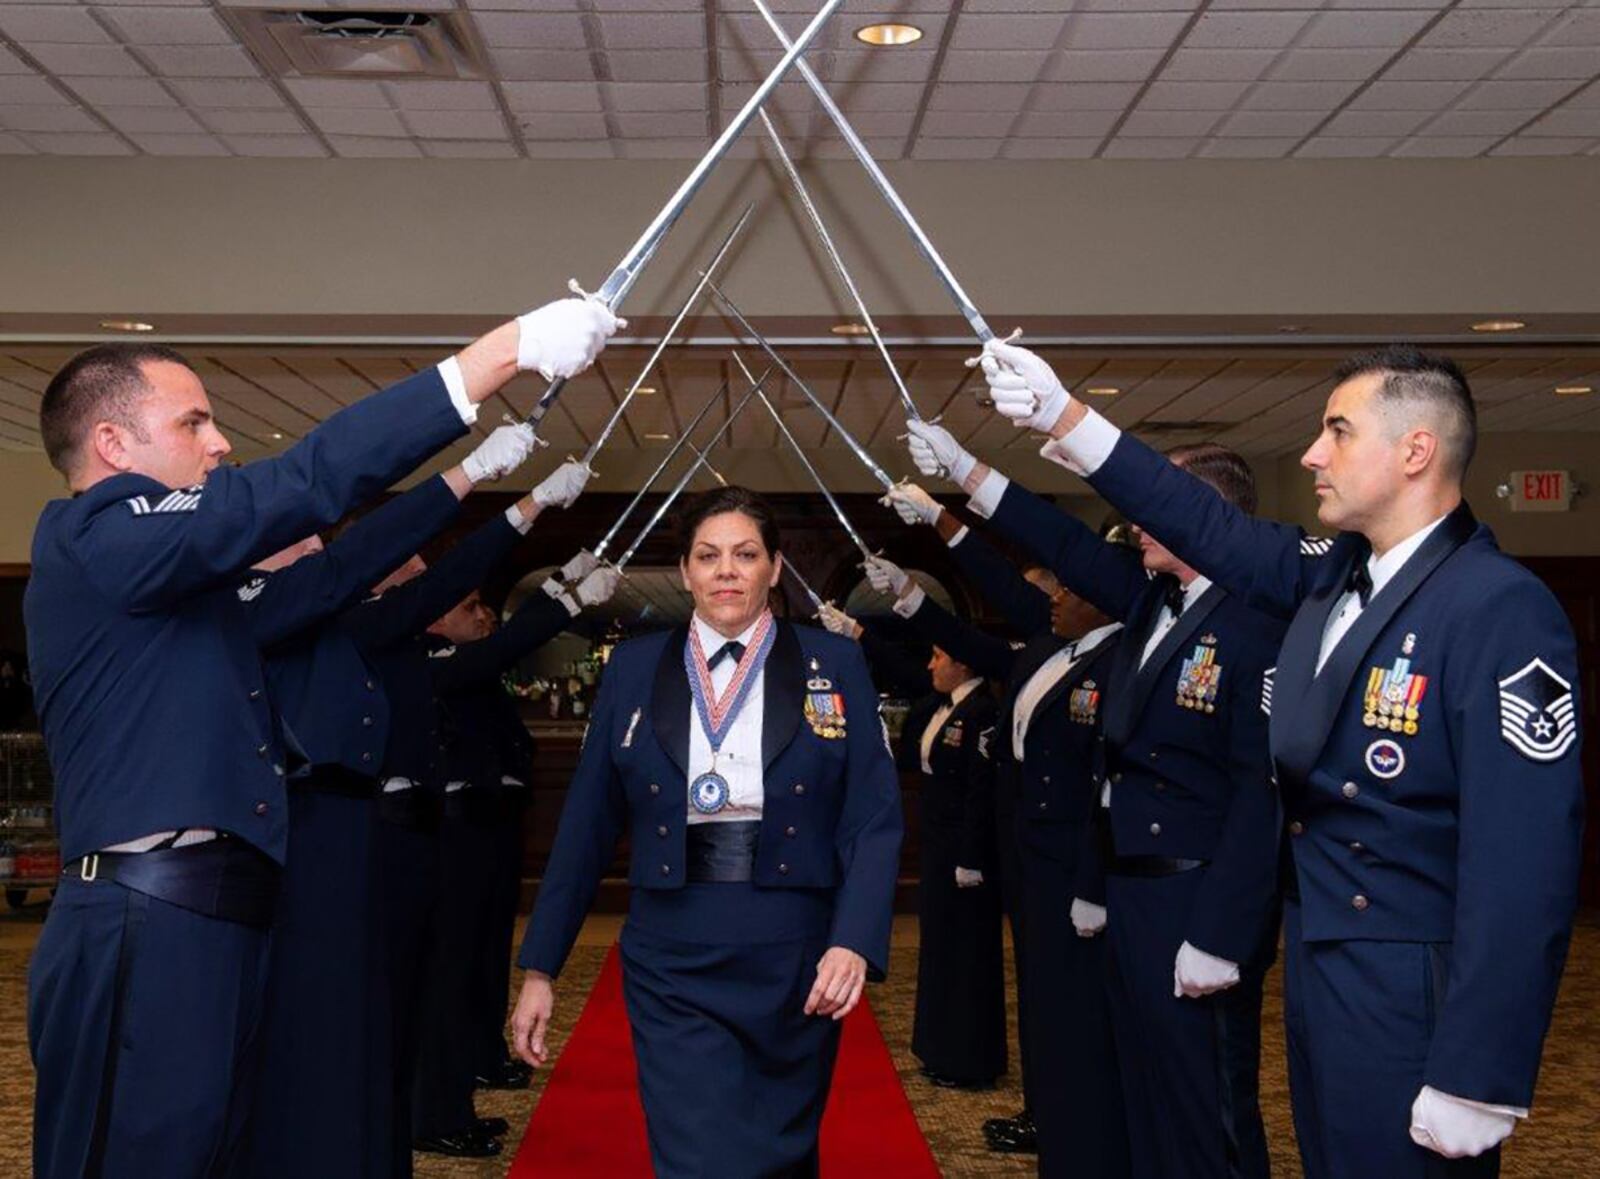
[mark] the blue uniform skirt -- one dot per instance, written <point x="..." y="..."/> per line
<point x="733" y="1074"/>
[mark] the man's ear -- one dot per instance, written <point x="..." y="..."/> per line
<point x="1421" y="451"/>
<point x="109" y="442"/>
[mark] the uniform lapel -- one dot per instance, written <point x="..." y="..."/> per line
<point x="1080" y="669"/>
<point x="670" y="702"/>
<point x="783" y="692"/>
<point x="1144" y="680"/>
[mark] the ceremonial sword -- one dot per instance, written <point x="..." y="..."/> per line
<point x="689" y="474"/>
<point x="745" y="326"/>
<point x="621" y="280"/>
<point x="666" y="338"/>
<point x="804" y="584"/>
<point x="838" y="264"/>
<point x="855" y="537"/>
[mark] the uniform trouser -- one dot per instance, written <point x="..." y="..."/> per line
<point x="1009" y="863"/>
<point x="407" y="873"/>
<point x="142" y="1023"/>
<point x="312" y="1114"/>
<point x="732" y="1074"/>
<point x="490" y="996"/>
<point x="1189" y="1066"/>
<point x="1077" y="1094"/>
<point x="441" y="1093"/>
<point x="1360" y="1017"/>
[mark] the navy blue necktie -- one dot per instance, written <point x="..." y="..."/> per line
<point x="1360" y="583"/>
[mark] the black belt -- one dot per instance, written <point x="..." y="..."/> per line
<point x="336" y="779"/>
<point x="223" y="878"/>
<point x="721" y="853"/>
<point x="415" y="808"/>
<point x="1150" y="865"/>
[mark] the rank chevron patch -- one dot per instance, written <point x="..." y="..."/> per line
<point x="1538" y="717"/>
<point x="1266" y="689"/>
<point x="186" y="500"/>
<point x="1315" y="546"/>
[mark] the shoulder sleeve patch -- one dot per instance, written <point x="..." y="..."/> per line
<point x="186" y="500"/>
<point x="1538" y="716"/>
<point x="985" y="738"/>
<point x="1315" y="546"/>
<point x="1266" y="689"/>
<point x="442" y="653"/>
<point x="251" y="590"/>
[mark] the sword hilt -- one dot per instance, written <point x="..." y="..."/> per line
<point x="531" y="420"/>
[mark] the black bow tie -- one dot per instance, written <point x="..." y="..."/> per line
<point x="1360" y="583"/>
<point x="732" y="649"/>
<point x="1174" y="597"/>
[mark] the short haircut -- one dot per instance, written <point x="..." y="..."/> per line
<point x="727" y="499"/>
<point x="1420" y="386"/>
<point x="100" y="384"/>
<point x="1224" y="469"/>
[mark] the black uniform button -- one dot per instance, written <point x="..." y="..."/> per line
<point x="1155" y="828"/>
<point x="366" y="721"/>
<point x="790" y="832"/>
<point x="1045" y="778"/>
<point x="1297" y="828"/>
<point x="1154" y="756"/>
<point x="366" y="757"/>
<point x="783" y="869"/>
<point x="655" y="788"/>
<point x="255" y="693"/>
<point x="1116" y="777"/>
<point x="1358" y="846"/>
<point x="1044" y="806"/>
<point x="666" y="869"/>
<point x="1350" y="790"/>
<point x="1359" y="903"/>
<point x="799" y="788"/>
<point x="661" y="831"/>
<point x="261" y="808"/>
<point x="371" y="686"/>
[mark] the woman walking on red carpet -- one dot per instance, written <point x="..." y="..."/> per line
<point x="745" y="759"/>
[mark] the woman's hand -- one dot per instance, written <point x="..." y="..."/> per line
<point x="531" y="1020"/>
<point x="841" y="977"/>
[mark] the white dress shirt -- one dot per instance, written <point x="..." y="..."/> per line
<point x="942" y="714"/>
<point x="1050" y="673"/>
<point x="1381" y="570"/>
<point x="739" y="760"/>
<point x="1166" y="620"/>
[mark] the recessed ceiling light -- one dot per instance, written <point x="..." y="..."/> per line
<point x="645" y="390"/>
<point x="1291" y="329"/>
<point x="1102" y="391"/>
<point x="127" y="325"/>
<point x="1499" y="325"/>
<point x="276" y="437"/>
<point x="849" y="329"/>
<point x="889" y="34"/>
<point x="659" y="437"/>
<point x="1573" y="390"/>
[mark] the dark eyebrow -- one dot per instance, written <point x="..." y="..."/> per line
<point x="1337" y="419"/>
<point x="196" y="415"/>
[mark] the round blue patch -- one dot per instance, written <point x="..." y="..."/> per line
<point x="1385" y="759"/>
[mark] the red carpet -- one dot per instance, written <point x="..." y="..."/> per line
<point x="589" y="1122"/>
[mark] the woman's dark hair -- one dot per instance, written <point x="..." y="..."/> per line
<point x="727" y="499"/>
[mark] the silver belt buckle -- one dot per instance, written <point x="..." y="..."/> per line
<point x="89" y="867"/>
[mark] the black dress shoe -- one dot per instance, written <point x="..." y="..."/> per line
<point x="465" y="1144"/>
<point x="493" y="1127"/>
<point x="993" y="1126"/>
<point x="945" y="1082"/>
<point x="1018" y="1138"/>
<point x="508" y="1074"/>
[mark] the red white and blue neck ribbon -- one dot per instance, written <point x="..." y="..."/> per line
<point x="717" y="714"/>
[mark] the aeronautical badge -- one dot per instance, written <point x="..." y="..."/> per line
<point x="1266" y="689"/>
<point x="1537" y="714"/>
<point x="954" y="735"/>
<point x="1083" y="705"/>
<point x="1315" y="546"/>
<point x="1200" y="678"/>
<point x="1385" y="758"/>
<point x="1393" y="696"/>
<point x="251" y="590"/>
<point x="186" y="499"/>
<point x="817" y="683"/>
<point x="985" y="739"/>
<point x="824" y="711"/>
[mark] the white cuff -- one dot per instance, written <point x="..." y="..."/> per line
<point x="910" y="602"/>
<point x="558" y="591"/>
<point x="986" y="499"/>
<point x="456" y="385"/>
<point x="1510" y="1111"/>
<point x="517" y="520"/>
<point x="961" y="535"/>
<point x="1085" y="447"/>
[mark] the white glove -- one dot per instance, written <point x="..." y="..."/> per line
<point x="1023" y="387"/>
<point x="837" y="621"/>
<point x="1455" y="1127"/>
<point x="502" y="452"/>
<point x="598" y="585"/>
<point x="561" y="339"/>
<point x="1088" y="918"/>
<point x="912" y="504"/>
<point x="936" y="452"/>
<point x="579" y="567"/>
<point x="562" y="486"/>
<point x="886" y="577"/>
<point x="1196" y="973"/>
<point x="968" y="877"/>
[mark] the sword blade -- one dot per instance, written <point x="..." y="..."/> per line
<point x="683" y="481"/>
<point x="749" y="330"/>
<point x="804" y="584"/>
<point x="620" y="281"/>
<point x="666" y="338"/>
<point x="838" y="264"/>
<point x="925" y="247"/>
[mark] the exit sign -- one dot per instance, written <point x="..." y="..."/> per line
<point x="1541" y="491"/>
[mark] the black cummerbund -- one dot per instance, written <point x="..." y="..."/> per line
<point x="721" y="853"/>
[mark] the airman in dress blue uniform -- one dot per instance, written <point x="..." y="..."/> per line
<point x="145" y="989"/>
<point x="1424" y="730"/>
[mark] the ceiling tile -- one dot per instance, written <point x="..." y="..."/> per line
<point x="578" y="149"/>
<point x="1085" y="96"/>
<point x="1588" y="97"/>
<point x="1409" y="96"/>
<point x="1123" y="30"/>
<point x="168" y="26"/>
<point x="1446" y="146"/>
<point x="466" y="149"/>
<point x="837" y="149"/>
<point x="1375" y="123"/>
<point x="456" y="124"/>
<point x="1328" y="147"/>
<point x="1218" y="65"/>
<point x="851" y="66"/>
<point x="542" y="65"/>
<point x="1329" y="65"/>
<point x="200" y="61"/>
<point x="661" y="149"/>
<point x="1150" y="149"/>
<point x="179" y="145"/>
<point x="1246" y="30"/>
<point x="1008" y="30"/>
<point x="623" y="96"/>
<point x="226" y="122"/>
<point x="563" y="125"/>
<point x="55" y="24"/>
<point x="1247" y="149"/>
<point x="1469" y="124"/>
<point x="1138" y="5"/>
<point x="80" y="145"/>
<point x="1199" y="96"/>
<point x="1066" y="124"/>
<point x="787" y="98"/>
<point x="122" y="92"/>
<point x="1577" y="28"/>
<point x="356" y="147"/>
<point x="744" y="29"/>
<point x="94" y="61"/>
<point x="1439" y="65"/>
<point x="1577" y="62"/>
<point x="1508" y="27"/>
<point x="880" y="96"/>
<point x="47" y="118"/>
<point x="664" y="30"/>
<point x="1168" y="124"/>
<point x="151" y="120"/>
<point x="10" y="63"/>
<point x="1281" y="5"/>
<point x="1271" y="124"/>
<point x="1298" y="96"/>
<point x="1361" y="30"/>
<point x="955" y="149"/>
<point x="1577" y="122"/>
<point x="32" y="91"/>
<point x="993" y="65"/>
<point x="338" y="92"/>
<point x="531" y="30"/>
<point x="357" y="121"/>
<point x="1050" y="149"/>
<point x="275" y="146"/>
<point x="1539" y="146"/>
<point x="665" y="124"/>
<point x="869" y="124"/>
<point x="442" y="95"/>
<point x="668" y="65"/>
<point x="966" y="124"/>
<point x="1102" y="65"/>
<point x="1505" y="96"/>
<point x="963" y="96"/>
<point x="233" y="94"/>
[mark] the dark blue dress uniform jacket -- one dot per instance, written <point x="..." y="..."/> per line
<point x="147" y="677"/>
<point x="1467" y="831"/>
<point x="1186" y="783"/>
<point x="831" y="817"/>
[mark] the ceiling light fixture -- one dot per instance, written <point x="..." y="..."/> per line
<point x="127" y="325"/>
<point x="1102" y="391"/>
<point x="849" y="329"/>
<point x="1573" y="390"/>
<point x="275" y="436"/>
<point x="658" y="437"/>
<point x="1499" y="325"/>
<point x="645" y="390"/>
<point x="888" y="35"/>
